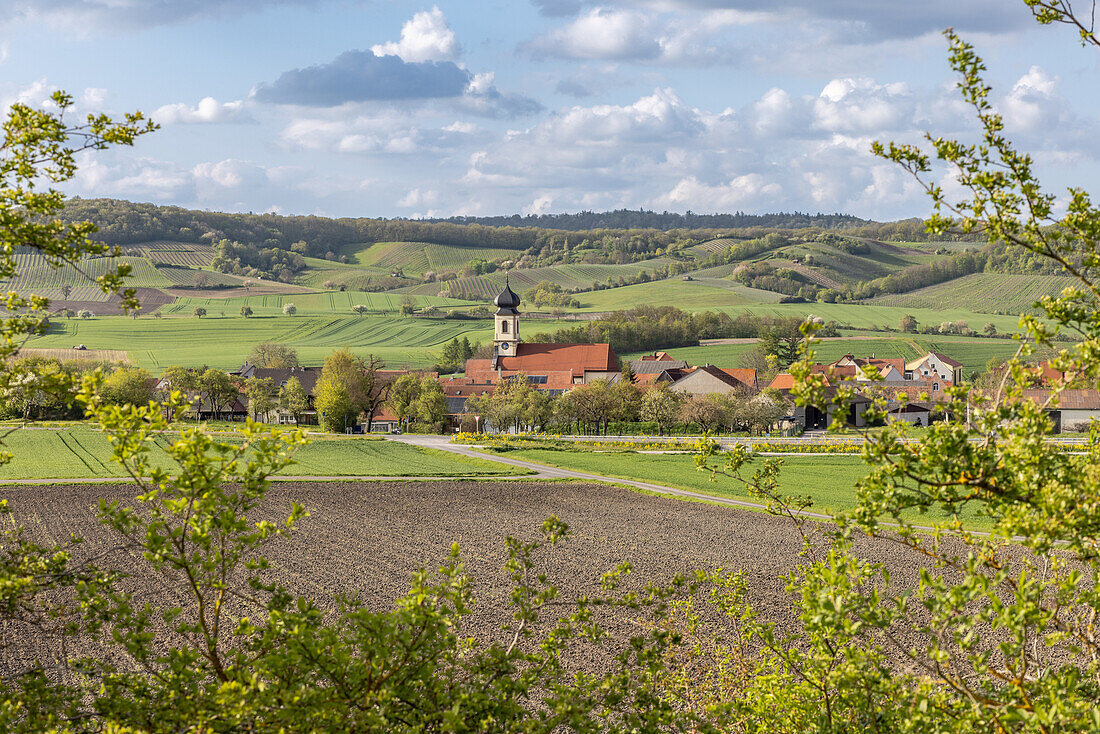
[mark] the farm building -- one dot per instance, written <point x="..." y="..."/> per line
<point x="710" y="380"/>
<point x="1072" y="409"/>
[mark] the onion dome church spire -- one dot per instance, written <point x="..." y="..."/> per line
<point x="506" y="334"/>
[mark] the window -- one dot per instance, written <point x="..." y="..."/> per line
<point x="935" y="386"/>
<point x="536" y="379"/>
<point x="503" y="327"/>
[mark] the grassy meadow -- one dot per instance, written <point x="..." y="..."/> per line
<point x="80" y="452"/>
<point x="829" y="480"/>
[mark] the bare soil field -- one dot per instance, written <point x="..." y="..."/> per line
<point x="150" y="299"/>
<point x="98" y="355"/>
<point x="366" y="539"/>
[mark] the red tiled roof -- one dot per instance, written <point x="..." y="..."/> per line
<point x="782" y="381"/>
<point x="539" y="358"/>
<point x="1068" y="399"/>
<point x="744" y="374"/>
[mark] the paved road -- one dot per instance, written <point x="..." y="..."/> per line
<point x="443" y="443"/>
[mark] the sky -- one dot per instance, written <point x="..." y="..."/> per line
<point x="390" y="108"/>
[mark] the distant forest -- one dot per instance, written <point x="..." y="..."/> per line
<point x="123" y="223"/>
<point x="642" y="219"/>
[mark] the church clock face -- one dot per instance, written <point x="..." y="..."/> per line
<point x="504" y="346"/>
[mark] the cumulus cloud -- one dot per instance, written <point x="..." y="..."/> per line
<point x="360" y="76"/>
<point x="387" y="133"/>
<point x="601" y="34"/>
<point x="426" y="37"/>
<point x="208" y="110"/>
<point x="1034" y="102"/>
<point x="631" y="35"/>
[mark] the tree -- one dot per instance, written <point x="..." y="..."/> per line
<point x="246" y="311"/>
<point x="66" y="291"/>
<point x="84" y="314"/>
<point x="260" y="392"/>
<point x="702" y="410"/>
<point x="996" y="633"/>
<point x="990" y="329"/>
<point x="431" y="404"/>
<point x="454" y="354"/>
<point x="273" y="355"/>
<point x="403" y="396"/>
<point x="360" y="309"/>
<point x="289" y="309"/>
<point x="408" y="305"/>
<point x="293" y="398"/>
<point x="218" y="390"/>
<point x="199" y="311"/>
<point x="660" y="405"/>
<point x="128" y="386"/>
<point x="333" y="403"/>
<point x="351" y="386"/>
<point x="908" y="324"/>
<point x="201" y="279"/>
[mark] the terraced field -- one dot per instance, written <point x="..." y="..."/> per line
<point x="712" y="246"/>
<point x="420" y="257"/>
<point x="185" y="276"/>
<point x="699" y="294"/>
<point x="983" y="292"/>
<point x="184" y="254"/>
<point x="485" y="287"/>
<point x="35" y="275"/>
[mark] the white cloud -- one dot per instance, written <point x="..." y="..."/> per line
<point x="601" y="33"/>
<point x="631" y="35"/>
<point x="387" y="132"/>
<point x="541" y="205"/>
<point x="849" y="105"/>
<point x="208" y="110"/>
<point x="1034" y="102"/>
<point x="750" y="191"/>
<point x="418" y="197"/>
<point x="426" y="37"/>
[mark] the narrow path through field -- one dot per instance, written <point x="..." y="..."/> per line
<point x="552" y="472"/>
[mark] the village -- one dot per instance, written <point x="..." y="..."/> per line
<point x="586" y="388"/>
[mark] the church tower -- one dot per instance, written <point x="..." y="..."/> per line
<point x="506" y="334"/>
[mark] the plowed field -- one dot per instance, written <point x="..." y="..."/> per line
<point x="367" y="538"/>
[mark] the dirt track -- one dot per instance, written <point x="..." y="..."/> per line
<point x="366" y="539"/>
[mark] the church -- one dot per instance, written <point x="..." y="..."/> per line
<point x="553" y="367"/>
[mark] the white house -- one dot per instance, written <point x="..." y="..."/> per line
<point x="941" y="371"/>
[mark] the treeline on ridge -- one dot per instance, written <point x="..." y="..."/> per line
<point x="648" y="328"/>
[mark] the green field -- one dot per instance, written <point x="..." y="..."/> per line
<point x="35" y="275"/>
<point x="973" y="352"/>
<point x="829" y="480"/>
<point x="732" y="298"/>
<point x="81" y="452"/>
<point x="984" y="292"/>
<point x="224" y="343"/>
<point x="420" y="257"/>
<point x="329" y="303"/>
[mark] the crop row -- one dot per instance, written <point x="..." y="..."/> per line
<point x="35" y="274"/>
<point x="983" y="292"/>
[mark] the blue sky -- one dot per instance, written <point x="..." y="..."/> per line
<point x="395" y="108"/>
